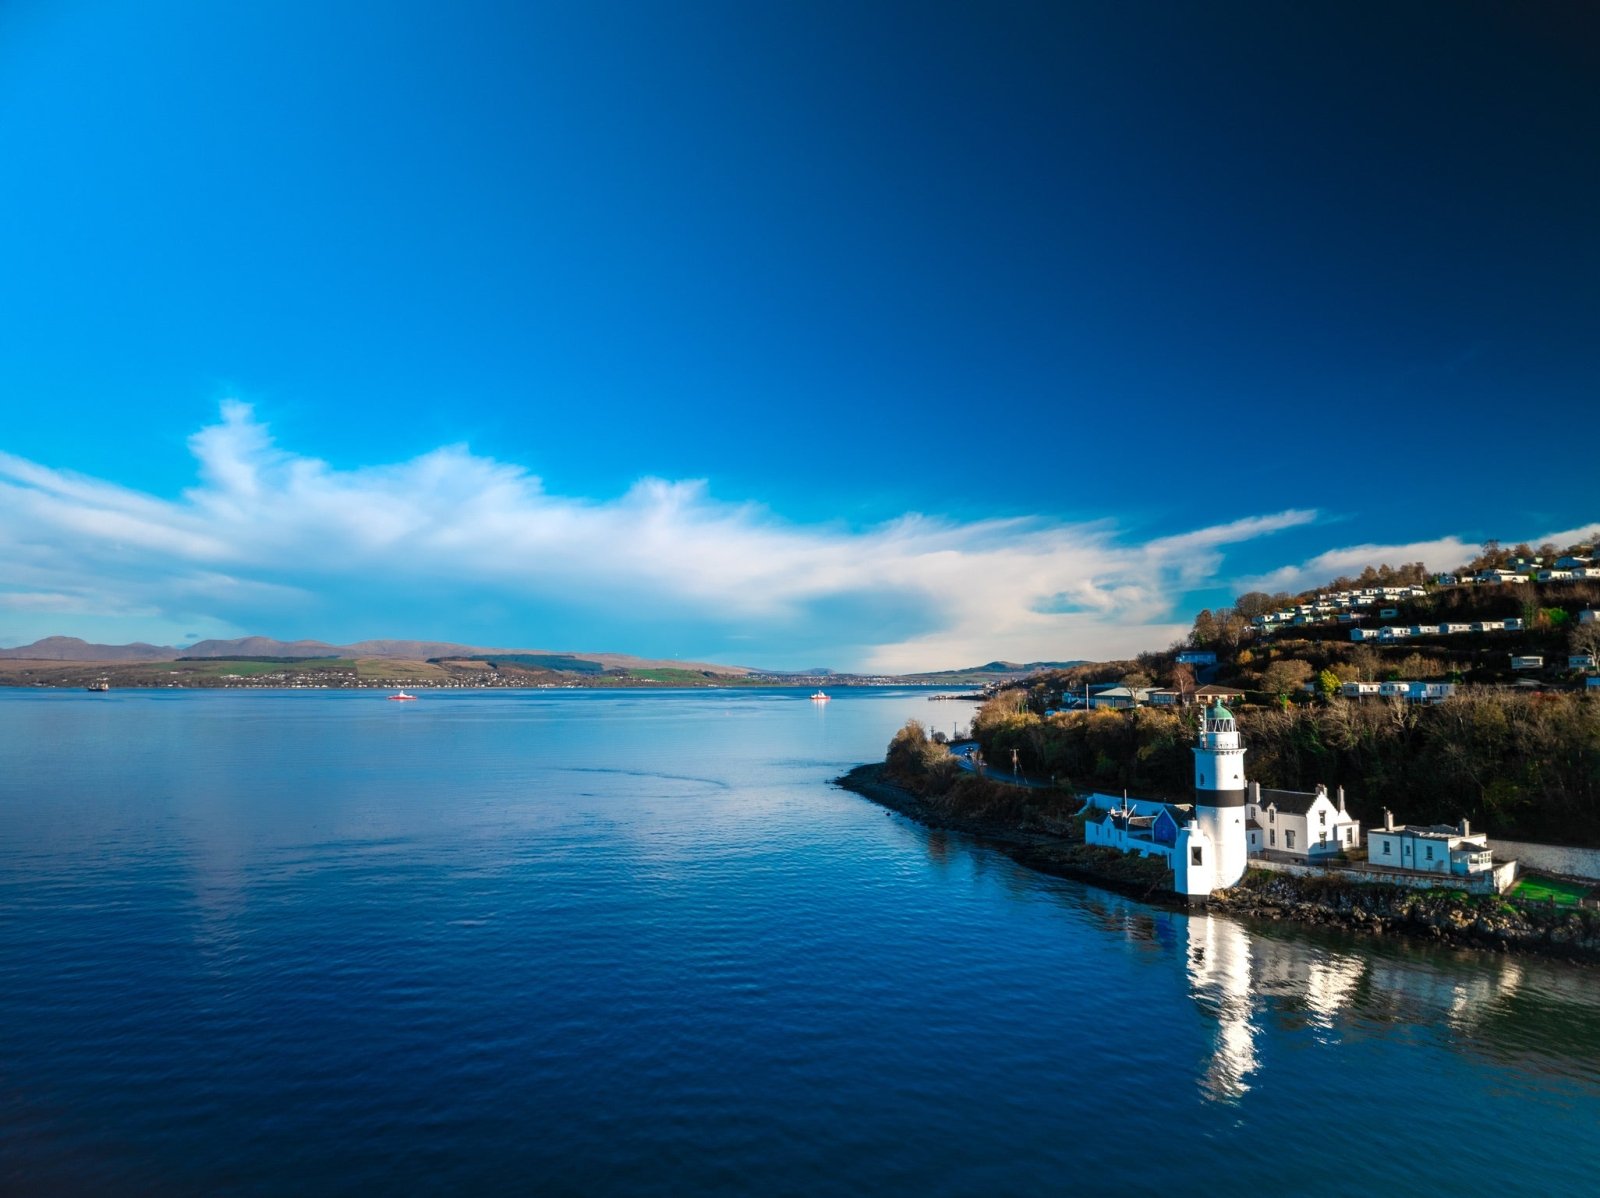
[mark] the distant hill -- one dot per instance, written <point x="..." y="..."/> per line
<point x="71" y="648"/>
<point x="998" y="669"/>
<point x="263" y="646"/>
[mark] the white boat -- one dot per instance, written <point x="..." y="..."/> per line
<point x="401" y="697"/>
<point x="819" y="697"/>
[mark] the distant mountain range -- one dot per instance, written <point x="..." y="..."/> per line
<point x="71" y="648"/>
<point x="999" y="669"/>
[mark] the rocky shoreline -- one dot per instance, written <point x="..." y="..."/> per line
<point x="1449" y="917"/>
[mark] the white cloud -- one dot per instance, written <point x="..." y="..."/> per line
<point x="265" y="529"/>
<point x="1445" y="553"/>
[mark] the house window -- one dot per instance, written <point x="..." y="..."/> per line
<point x="1288" y="839"/>
<point x="1386" y="848"/>
<point x="1324" y="838"/>
<point x="1430" y="852"/>
<point x="1348" y="834"/>
<point x="1272" y="838"/>
<point x="1272" y="816"/>
<point x="1322" y="817"/>
<point x="1194" y="855"/>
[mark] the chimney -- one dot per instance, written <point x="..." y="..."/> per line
<point x="1388" y="820"/>
<point x="1342" y="811"/>
<point x="1255" y="793"/>
<point x="1466" y="828"/>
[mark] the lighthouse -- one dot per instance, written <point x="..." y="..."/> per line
<point x="1219" y="802"/>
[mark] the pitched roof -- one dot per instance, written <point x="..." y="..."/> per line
<point x="1213" y="690"/>
<point x="1297" y="802"/>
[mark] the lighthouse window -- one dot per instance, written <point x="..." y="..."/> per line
<point x="1194" y="855"/>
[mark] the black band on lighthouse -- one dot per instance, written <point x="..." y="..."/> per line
<point x="1219" y="798"/>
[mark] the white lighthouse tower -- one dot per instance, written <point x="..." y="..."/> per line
<point x="1219" y="802"/>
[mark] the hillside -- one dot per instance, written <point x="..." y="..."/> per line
<point x="1512" y="745"/>
<point x="72" y="649"/>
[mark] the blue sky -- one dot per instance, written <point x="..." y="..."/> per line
<point x="812" y="334"/>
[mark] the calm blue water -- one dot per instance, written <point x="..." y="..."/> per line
<point x="600" y="943"/>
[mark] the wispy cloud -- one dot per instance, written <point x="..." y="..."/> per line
<point x="1444" y="553"/>
<point x="267" y="531"/>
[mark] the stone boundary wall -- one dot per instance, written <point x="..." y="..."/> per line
<point x="1498" y="881"/>
<point x="1551" y="858"/>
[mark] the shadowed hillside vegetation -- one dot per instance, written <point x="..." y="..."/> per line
<point x="1516" y="764"/>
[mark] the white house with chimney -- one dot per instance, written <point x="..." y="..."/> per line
<point x="1308" y="824"/>
<point x="1429" y="848"/>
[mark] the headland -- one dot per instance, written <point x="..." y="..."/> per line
<point x="1041" y="830"/>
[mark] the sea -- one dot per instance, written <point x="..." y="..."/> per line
<point x="636" y="943"/>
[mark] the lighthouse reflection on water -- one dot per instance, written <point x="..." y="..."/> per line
<point x="1240" y="980"/>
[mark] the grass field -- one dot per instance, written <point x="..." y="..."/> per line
<point x="672" y="675"/>
<point x="251" y="669"/>
<point x="387" y="667"/>
<point x="1535" y="888"/>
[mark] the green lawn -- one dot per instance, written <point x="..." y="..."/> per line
<point x="1535" y="888"/>
<point x="667" y="674"/>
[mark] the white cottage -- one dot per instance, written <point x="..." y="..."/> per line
<point x="1304" y="823"/>
<point x="1432" y="848"/>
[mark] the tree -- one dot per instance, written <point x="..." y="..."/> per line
<point x="1181" y="678"/>
<point x="1205" y="629"/>
<point x="1362" y="664"/>
<point x="1232" y="628"/>
<point x="1327" y="684"/>
<point x="1585" y="638"/>
<point x="1283" y="677"/>
<point x="1254" y="603"/>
